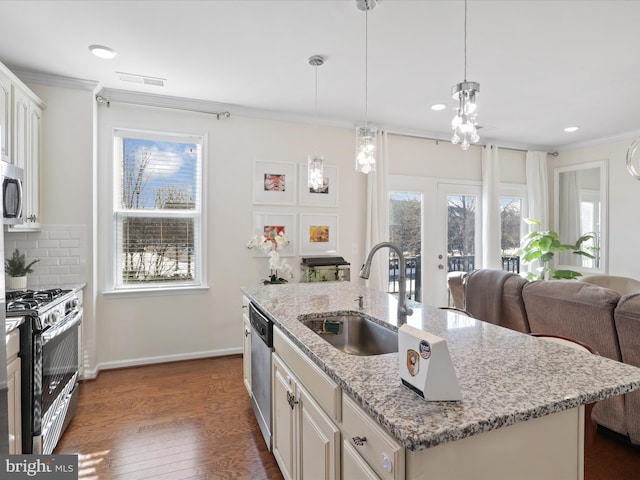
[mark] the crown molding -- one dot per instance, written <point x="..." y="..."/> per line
<point x="51" y="80"/>
<point x="619" y="137"/>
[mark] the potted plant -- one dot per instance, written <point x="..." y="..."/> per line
<point x="543" y="245"/>
<point x="17" y="268"/>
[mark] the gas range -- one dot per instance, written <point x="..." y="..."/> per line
<point x="46" y="307"/>
<point x="49" y="352"/>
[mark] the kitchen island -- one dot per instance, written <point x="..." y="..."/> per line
<point x="521" y="414"/>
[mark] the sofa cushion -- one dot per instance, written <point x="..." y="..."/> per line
<point x="574" y="310"/>
<point x="514" y="315"/>
<point x="495" y="296"/>
<point x="622" y="285"/>
<point x="627" y="318"/>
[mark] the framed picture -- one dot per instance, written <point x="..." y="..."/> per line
<point x="274" y="223"/>
<point x="325" y="196"/>
<point x="274" y="183"/>
<point x="318" y="234"/>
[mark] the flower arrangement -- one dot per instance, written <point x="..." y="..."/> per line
<point x="271" y="243"/>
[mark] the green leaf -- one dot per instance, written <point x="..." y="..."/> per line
<point x="565" y="275"/>
<point x="545" y="243"/>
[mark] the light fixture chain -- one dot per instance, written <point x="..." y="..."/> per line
<point x="465" y="40"/>
<point x="366" y="65"/>
<point x="316" y="96"/>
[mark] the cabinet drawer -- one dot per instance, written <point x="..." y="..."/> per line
<point x="324" y="390"/>
<point x="13" y="343"/>
<point x="353" y="466"/>
<point x="383" y="454"/>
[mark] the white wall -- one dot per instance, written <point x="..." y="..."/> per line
<point x="624" y="198"/>
<point x="139" y="328"/>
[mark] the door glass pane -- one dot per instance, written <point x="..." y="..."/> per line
<point x="510" y="223"/>
<point x="461" y="232"/>
<point x="405" y="229"/>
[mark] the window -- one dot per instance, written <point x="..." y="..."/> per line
<point x="157" y="210"/>
<point x="513" y="211"/>
<point x="405" y="230"/>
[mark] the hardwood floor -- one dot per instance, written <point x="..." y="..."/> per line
<point x="178" y="421"/>
<point x="193" y="420"/>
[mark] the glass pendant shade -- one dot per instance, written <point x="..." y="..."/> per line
<point x="366" y="139"/>
<point x="315" y="169"/>
<point x="466" y="119"/>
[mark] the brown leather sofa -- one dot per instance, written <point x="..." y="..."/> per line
<point x="597" y="316"/>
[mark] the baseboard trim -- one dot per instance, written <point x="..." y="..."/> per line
<point x="92" y="374"/>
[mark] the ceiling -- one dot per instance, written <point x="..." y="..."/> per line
<point x="541" y="65"/>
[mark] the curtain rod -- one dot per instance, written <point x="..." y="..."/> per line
<point x="437" y="140"/>
<point x="107" y="96"/>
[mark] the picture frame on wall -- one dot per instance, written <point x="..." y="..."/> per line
<point x="274" y="183"/>
<point x="325" y="196"/>
<point x="318" y="234"/>
<point x="263" y="223"/>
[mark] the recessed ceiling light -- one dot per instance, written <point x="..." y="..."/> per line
<point x="438" y="106"/>
<point x="102" y="51"/>
<point x="571" y="129"/>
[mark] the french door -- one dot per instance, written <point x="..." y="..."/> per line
<point x="459" y="235"/>
<point x="445" y="226"/>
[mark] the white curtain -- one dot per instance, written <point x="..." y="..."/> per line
<point x="491" y="228"/>
<point x="537" y="195"/>
<point x="569" y="214"/>
<point x="537" y="188"/>
<point x="378" y="217"/>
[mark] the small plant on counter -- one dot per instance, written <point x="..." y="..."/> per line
<point x="270" y="243"/>
<point x="17" y="266"/>
<point x="543" y="245"/>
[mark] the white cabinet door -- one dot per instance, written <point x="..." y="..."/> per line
<point x="14" y="410"/>
<point x="284" y="438"/>
<point x="318" y="440"/>
<point x="20" y="142"/>
<point x="306" y="443"/>
<point x="5" y="117"/>
<point x="27" y="126"/>
<point x="246" y="351"/>
<point x="32" y="170"/>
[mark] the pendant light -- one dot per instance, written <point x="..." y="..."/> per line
<point x="465" y="121"/>
<point x="366" y="136"/>
<point x="315" y="162"/>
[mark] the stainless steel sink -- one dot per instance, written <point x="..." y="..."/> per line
<point x="353" y="333"/>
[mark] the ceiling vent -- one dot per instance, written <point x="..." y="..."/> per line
<point x="141" y="79"/>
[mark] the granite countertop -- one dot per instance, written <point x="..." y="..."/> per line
<point x="505" y="376"/>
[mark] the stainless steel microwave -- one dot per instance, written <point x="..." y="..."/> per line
<point x="12" y="195"/>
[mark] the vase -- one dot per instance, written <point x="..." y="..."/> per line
<point x="17" y="283"/>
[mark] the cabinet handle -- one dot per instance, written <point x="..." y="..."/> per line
<point x="291" y="400"/>
<point x="359" y="441"/>
<point x="32" y="218"/>
<point x="247" y="332"/>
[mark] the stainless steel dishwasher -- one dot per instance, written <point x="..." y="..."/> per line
<point x="261" y="348"/>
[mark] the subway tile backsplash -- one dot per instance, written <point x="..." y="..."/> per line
<point x="62" y="250"/>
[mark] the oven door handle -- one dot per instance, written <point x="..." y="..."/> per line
<point x="71" y="321"/>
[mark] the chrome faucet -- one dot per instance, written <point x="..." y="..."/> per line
<point x="365" y="271"/>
